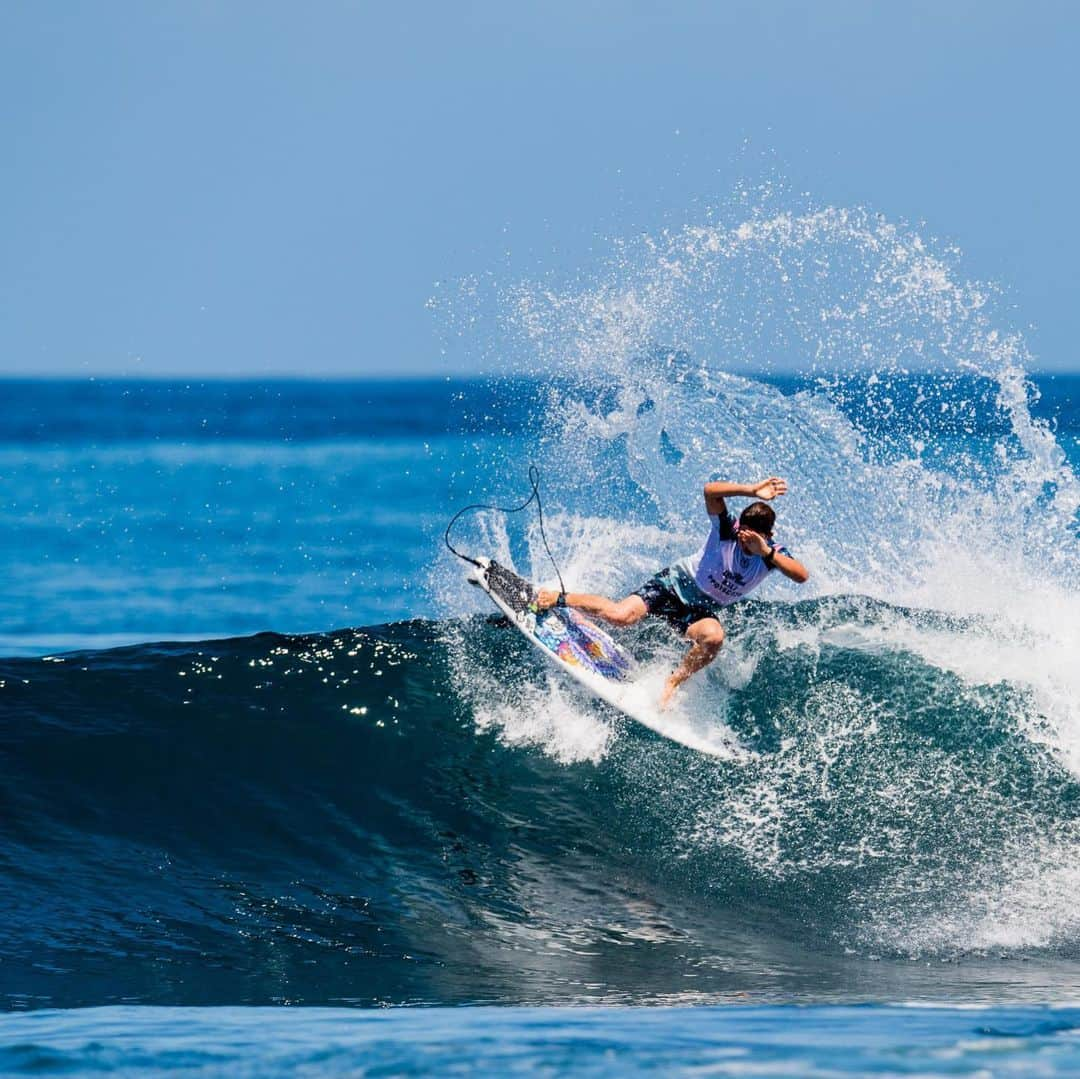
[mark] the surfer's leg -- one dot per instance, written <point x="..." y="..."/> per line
<point x="624" y="612"/>
<point x="707" y="636"/>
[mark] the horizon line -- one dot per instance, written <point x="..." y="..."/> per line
<point x="458" y="376"/>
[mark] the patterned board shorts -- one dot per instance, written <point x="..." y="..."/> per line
<point x="663" y="596"/>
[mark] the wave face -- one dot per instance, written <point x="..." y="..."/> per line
<point x="316" y="819"/>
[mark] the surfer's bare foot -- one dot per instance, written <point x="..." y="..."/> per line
<point x="546" y="597"/>
<point x="669" y="691"/>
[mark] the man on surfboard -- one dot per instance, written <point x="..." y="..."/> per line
<point x="737" y="555"/>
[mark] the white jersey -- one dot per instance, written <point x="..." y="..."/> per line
<point x="721" y="568"/>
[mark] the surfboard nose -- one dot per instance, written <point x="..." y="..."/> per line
<point x="475" y="574"/>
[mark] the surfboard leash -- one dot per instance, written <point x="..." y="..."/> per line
<point x="534" y="482"/>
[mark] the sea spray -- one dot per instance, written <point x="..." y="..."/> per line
<point x="915" y="707"/>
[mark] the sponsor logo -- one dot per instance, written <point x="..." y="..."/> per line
<point x="730" y="583"/>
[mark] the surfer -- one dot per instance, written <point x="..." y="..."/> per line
<point x="737" y="555"/>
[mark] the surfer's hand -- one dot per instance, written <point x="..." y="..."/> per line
<point x="770" y="488"/>
<point x="546" y="597"/>
<point x="754" y="542"/>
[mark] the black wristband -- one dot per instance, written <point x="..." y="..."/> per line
<point x="770" y="558"/>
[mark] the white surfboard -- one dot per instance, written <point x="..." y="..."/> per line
<point x="585" y="652"/>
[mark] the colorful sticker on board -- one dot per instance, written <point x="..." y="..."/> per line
<point x="579" y="642"/>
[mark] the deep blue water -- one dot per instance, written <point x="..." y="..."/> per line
<point x="340" y="784"/>
<point x="227" y="508"/>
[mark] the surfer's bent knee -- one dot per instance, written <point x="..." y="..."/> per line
<point x="708" y="633"/>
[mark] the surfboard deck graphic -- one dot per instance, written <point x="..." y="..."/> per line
<point x="590" y="656"/>
<point x="570" y="635"/>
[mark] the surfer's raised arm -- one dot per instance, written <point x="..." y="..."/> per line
<point x="716" y="492"/>
<point x="754" y="533"/>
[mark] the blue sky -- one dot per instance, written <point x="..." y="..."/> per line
<point x="269" y="189"/>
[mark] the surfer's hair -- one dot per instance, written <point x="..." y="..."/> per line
<point x="759" y="517"/>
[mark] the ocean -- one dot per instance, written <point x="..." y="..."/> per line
<point x="261" y="745"/>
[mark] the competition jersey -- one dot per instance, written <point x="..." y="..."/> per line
<point x="721" y="569"/>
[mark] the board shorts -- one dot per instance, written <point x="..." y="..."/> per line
<point x="673" y="596"/>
